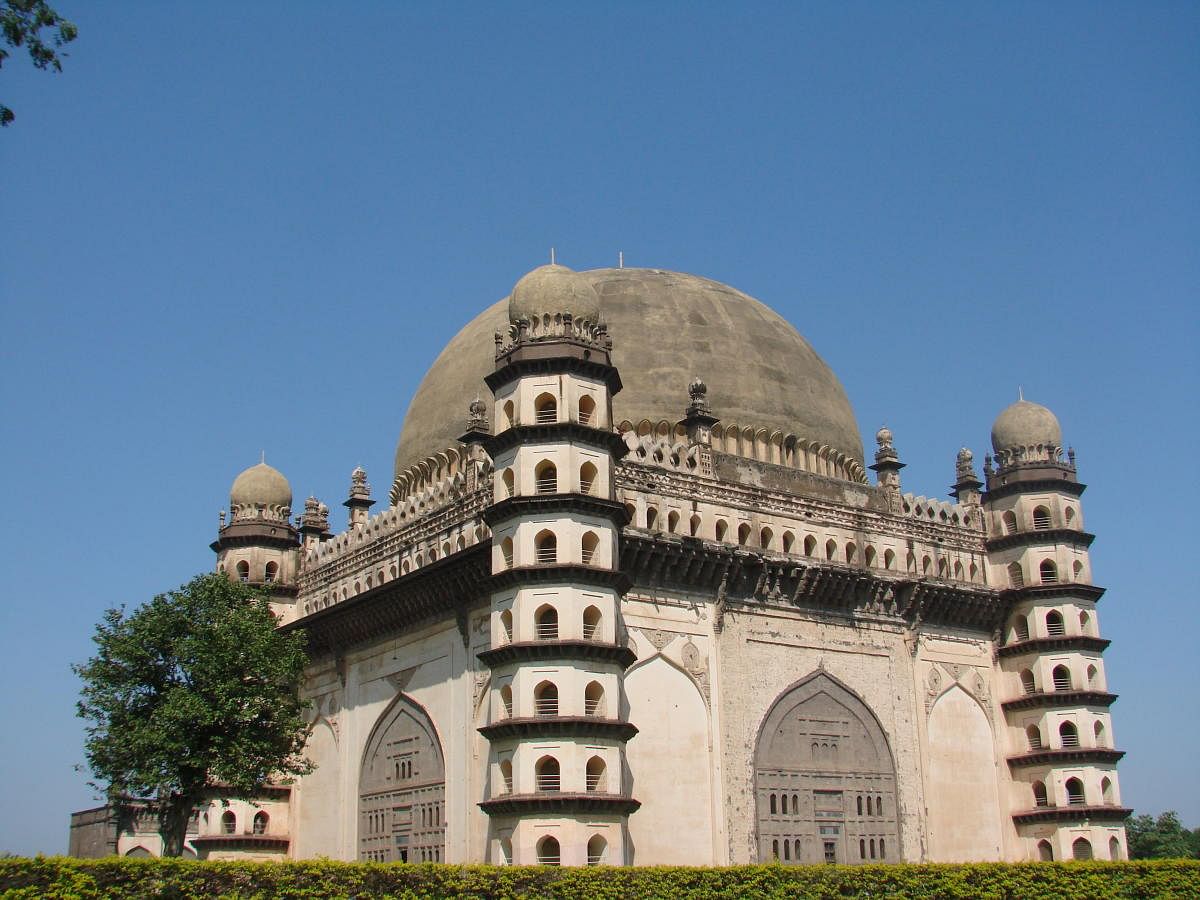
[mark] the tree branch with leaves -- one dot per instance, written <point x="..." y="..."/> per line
<point x="21" y="22"/>
<point x="194" y="691"/>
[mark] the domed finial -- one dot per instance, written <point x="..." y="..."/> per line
<point x="883" y="437"/>
<point x="553" y="290"/>
<point x="477" y="415"/>
<point x="698" y="392"/>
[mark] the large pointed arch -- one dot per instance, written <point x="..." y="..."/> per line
<point x="824" y="777"/>
<point x="402" y="788"/>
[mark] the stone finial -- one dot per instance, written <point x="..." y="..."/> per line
<point x="1071" y="456"/>
<point x="477" y="416"/>
<point x="221" y="519"/>
<point x="698" y="392"/>
<point x="359" y="489"/>
<point x="887" y="449"/>
<point x="989" y="468"/>
<point x="964" y="465"/>
<point x="315" y="515"/>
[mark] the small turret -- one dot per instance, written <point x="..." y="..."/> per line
<point x="314" y="523"/>
<point x="359" y="502"/>
<point x="887" y="468"/>
<point x="966" y="484"/>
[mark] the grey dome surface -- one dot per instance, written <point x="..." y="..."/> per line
<point x="666" y="328"/>
<point x="1025" y="424"/>
<point x="553" y="289"/>
<point x="260" y="485"/>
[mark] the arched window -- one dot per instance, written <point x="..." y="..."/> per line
<point x="1034" y="736"/>
<point x="508" y="480"/>
<point x="631" y="512"/>
<point x="587" y="478"/>
<point x="1041" y="518"/>
<point x="870" y="807"/>
<point x="587" y="409"/>
<point x="889" y="560"/>
<point x="243" y="570"/>
<point x="1054" y="624"/>
<point x="721" y="528"/>
<point x="672" y="522"/>
<point x="926" y="565"/>
<point x="228" y="822"/>
<point x="596" y="775"/>
<point x="1069" y="514"/>
<point x="862" y="848"/>
<point x="546" y="547"/>
<point x="506" y="551"/>
<point x="789" y="541"/>
<point x="1062" y="678"/>
<point x="869" y="557"/>
<point x="860" y="805"/>
<point x="795" y="805"/>
<point x="1093" y="677"/>
<point x="506" y="776"/>
<point x="882" y="850"/>
<point x="774" y="805"/>
<point x="787" y="851"/>
<point x="545" y="699"/>
<point x="1045" y="851"/>
<point x="1106" y="790"/>
<point x="694" y="526"/>
<point x="810" y="545"/>
<point x="548" y="853"/>
<point x="593" y="699"/>
<point x="851" y="553"/>
<point x="1040" y="797"/>
<point x="1068" y="735"/>
<point x="271" y="572"/>
<point x="591" y="623"/>
<point x="545" y="409"/>
<point x="1015" y="577"/>
<point x="506" y="623"/>
<point x="545" y="623"/>
<point x="1020" y="628"/>
<point x="1009" y="520"/>
<point x="775" y="849"/>
<point x="1081" y="849"/>
<point x="260" y="822"/>
<point x="1114" y="848"/>
<point x="830" y="549"/>
<point x="910" y="562"/>
<point x="943" y="568"/>
<point x="1028" y="685"/>
<point x="871" y="844"/>
<point x="546" y="476"/>
<point x="597" y="850"/>
<point x="588" y="545"/>
<point x="651" y="517"/>
<point x="1048" y="572"/>
<point x="765" y="536"/>
<point x="743" y="534"/>
<point x="506" y="700"/>
<point x="1098" y="733"/>
<point x="959" y="572"/>
<point x="508" y="416"/>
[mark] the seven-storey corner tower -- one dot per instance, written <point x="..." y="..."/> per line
<point x="1061" y="755"/>
<point x="557" y="790"/>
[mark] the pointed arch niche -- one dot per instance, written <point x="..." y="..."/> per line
<point x="402" y="788"/>
<point x="821" y="749"/>
<point x="317" y="834"/>
<point x="670" y="766"/>
<point x="961" y="792"/>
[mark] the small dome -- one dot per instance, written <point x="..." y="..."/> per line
<point x="553" y="289"/>
<point x="1026" y="424"/>
<point x="260" y="485"/>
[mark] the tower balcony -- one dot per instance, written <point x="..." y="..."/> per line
<point x="1066" y="756"/>
<point x="1046" y="700"/>
<point x="1056" y="644"/>
<point x="557" y="803"/>
<point x="555" y="726"/>
<point x="543" y="650"/>
<point x="1073" y="813"/>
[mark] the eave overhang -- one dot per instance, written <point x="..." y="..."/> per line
<point x="559" y="727"/>
<point x="562" y="804"/>
<point x="1044" y="536"/>
<point x="1072" y="814"/>
<point x="541" y="651"/>
<point x="1078" y="642"/>
<point x="556" y="503"/>
<point x="1060" y="698"/>
<point x="1065" y="757"/>
<point x="556" y="433"/>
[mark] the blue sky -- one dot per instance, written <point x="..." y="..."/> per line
<point x="236" y="228"/>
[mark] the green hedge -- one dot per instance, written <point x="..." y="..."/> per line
<point x="62" y="877"/>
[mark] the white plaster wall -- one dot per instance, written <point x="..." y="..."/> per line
<point x="316" y="796"/>
<point x="670" y="764"/>
<point x="961" y="788"/>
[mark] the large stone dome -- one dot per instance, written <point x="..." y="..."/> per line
<point x="1025" y="424"/>
<point x="666" y="328"/>
<point x="261" y="485"/>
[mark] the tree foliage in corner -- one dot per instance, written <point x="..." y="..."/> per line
<point x="195" y="690"/>
<point x="22" y="21"/>
<point x="1161" y="838"/>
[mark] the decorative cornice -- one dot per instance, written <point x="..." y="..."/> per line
<point x="553" y="357"/>
<point x="1055" y="644"/>
<point x="1042" y="700"/>
<point x="554" y="433"/>
<point x="560" y="573"/>
<point x="242" y="841"/>
<point x="566" y="503"/>
<point x="1032" y="486"/>
<point x="439" y="590"/>
<point x="558" y="727"/>
<point x="538" y="651"/>
<point x="1060" y="590"/>
<point x="560" y="804"/>
<point x="1043" y="536"/>
<point x="1064" y="757"/>
<point x="1072" y="814"/>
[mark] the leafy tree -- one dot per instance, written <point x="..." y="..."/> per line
<point x="1161" y="838"/>
<point x="194" y="690"/>
<point x="21" y="21"/>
